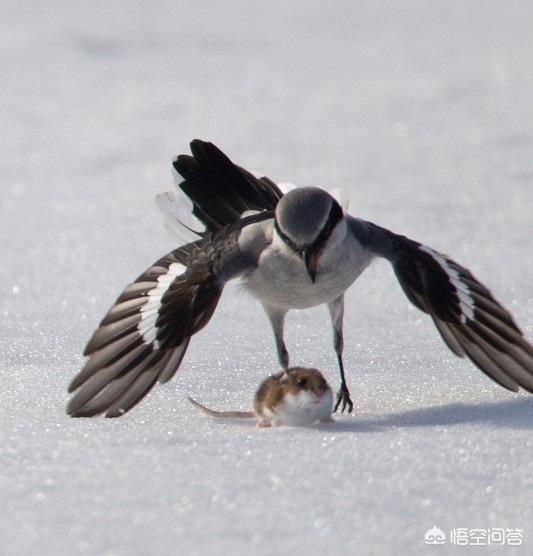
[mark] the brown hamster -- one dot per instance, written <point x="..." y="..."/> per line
<point x="297" y="396"/>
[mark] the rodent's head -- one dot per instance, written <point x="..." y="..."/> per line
<point x="297" y="379"/>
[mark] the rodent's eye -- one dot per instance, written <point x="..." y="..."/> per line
<point x="301" y="382"/>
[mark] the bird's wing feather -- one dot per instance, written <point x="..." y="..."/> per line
<point x="144" y="335"/>
<point x="469" y="319"/>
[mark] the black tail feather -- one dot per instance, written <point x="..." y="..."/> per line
<point x="219" y="190"/>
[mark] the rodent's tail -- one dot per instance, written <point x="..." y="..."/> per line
<point x="223" y="414"/>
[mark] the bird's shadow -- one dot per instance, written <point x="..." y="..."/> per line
<point x="516" y="413"/>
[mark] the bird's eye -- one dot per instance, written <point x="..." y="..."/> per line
<point x="285" y="237"/>
<point x="301" y="382"/>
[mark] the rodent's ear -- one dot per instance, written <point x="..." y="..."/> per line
<point x="284" y="378"/>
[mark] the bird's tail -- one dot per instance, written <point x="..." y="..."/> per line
<point x="220" y="191"/>
<point x="222" y="414"/>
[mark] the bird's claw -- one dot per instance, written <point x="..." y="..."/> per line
<point x="343" y="400"/>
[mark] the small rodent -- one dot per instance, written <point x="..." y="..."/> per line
<point x="297" y="396"/>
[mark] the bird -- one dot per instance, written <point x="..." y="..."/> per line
<point x="292" y="248"/>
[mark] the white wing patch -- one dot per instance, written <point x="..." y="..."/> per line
<point x="466" y="301"/>
<point x="149" y="311"/>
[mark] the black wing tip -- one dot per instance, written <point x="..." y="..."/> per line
<point x="73" y="410"/>
<point x="516" y="388"/>
<point x="77" y="411"/>
<point x="81" y="413"/>
<point x="74" y="384"/>
<point x="91" y="344"/>
<point x="116" y="413"/>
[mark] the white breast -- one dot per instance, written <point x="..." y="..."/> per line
<point x="281" y="278"/>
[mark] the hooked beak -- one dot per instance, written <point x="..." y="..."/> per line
<point x="311" y="255"/>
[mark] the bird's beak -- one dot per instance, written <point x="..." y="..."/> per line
<point x="311" y="255"/>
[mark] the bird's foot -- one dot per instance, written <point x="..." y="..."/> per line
<point x="344" y="402"/>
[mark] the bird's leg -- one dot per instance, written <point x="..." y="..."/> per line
<point x="344" y="401"/>
<point x="336" y="310"/>
<point x="277" y="320"/>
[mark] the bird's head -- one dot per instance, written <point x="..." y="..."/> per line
<point x="305" y="219"/>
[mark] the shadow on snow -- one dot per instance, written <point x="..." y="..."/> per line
<point x="516" y="413"/>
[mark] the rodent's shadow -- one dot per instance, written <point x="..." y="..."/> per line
<point x="516" y="413"/>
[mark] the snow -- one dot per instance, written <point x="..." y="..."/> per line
<point x="422" y="111"/>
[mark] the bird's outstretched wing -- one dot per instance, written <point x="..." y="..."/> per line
<point x="144" y="336"/>
<point x="469" y="319"/>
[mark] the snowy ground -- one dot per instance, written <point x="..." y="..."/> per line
<point x="422" y="111"/>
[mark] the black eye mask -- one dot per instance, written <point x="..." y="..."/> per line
<point x="334" y="217"/>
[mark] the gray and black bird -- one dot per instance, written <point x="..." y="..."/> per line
<point x="291" y="251"/>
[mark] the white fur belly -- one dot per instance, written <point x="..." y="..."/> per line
<point x="281" y="278"/>
<point x="301" y="408"/>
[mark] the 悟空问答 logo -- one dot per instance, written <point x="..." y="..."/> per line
<point x="435" y="536"/>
